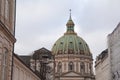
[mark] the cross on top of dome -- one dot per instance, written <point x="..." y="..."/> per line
<point x="70" y="13"/>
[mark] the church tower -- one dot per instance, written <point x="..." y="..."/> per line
<point x="73" y="59"/>
<point x="7" y="38"/>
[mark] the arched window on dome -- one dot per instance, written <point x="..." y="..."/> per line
<point x="71" y="66"/>
<point x="81" y="48"/>
<point x="60" y="48"/>
<point x="82" y="67"/>
<point x="70" y="45"/>
<point x="59" y="67"/>
<point x="82" y="52"/>
<point x="4" y="66"/>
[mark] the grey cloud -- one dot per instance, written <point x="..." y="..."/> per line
<point x="41" y="22"/>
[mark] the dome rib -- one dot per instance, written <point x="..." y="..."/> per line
<point x="70" y="43"/>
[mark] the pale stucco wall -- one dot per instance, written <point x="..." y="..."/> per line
<point x="77" y="60"/>
<point x="22" y="72"/>
<point x="7" y="39"/>
<point x="102" y="69"/>
<point x="109" y="69"/>
<point x="114" y="48"/>
<point x="5" y="43"/>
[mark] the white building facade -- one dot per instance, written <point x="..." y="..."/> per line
<point x="7" y="39"/>
<point x="102" y="66"/>
<point x="108" y="68"/>
<point x="21" y="71"/>
<point x="11" y="67"/>
<point x="114" y="50"/>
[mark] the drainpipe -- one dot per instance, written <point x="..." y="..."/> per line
<point x="13" y="43"/>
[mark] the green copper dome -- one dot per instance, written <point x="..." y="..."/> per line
<point x="70" y="43"/>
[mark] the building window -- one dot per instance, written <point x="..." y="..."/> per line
<point x="76" y="66"/>
<point x="4" y="66"/>
<point x="70" y="45"/>
<point x="65" y="66"/>
<point x="7" y="9"/>
<point x="59" y="68"/>
<point x="71" y="66"/>
<point x="82" y="52"/>
<point x="82" y="68"/>
<point x="90" y="68"/>
<point x="0" y="6"/>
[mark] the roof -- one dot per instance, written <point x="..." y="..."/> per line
<point x="70" y="44"/>
<point x="102" y="55"/>
<point x="42" y="53"/>
<point x="25" y="59"/>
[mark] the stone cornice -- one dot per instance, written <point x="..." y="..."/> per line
<point x="73" y="56"/>
<point x="7" y="32"/>
<point x="85" y="75"/>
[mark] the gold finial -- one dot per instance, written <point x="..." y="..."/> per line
<point x="70" y="22"/>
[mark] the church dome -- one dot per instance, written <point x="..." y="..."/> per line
<point x="70" y="42"/>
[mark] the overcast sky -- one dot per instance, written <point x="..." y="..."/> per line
<point x="40" y="23"/>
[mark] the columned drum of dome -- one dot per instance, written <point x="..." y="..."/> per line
<point x="74" y="55"/>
